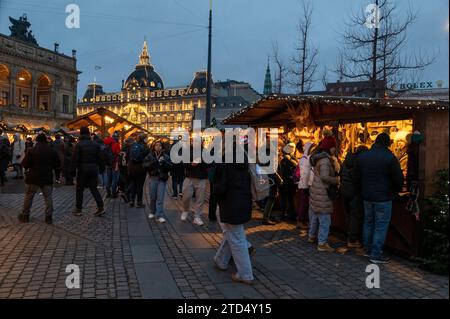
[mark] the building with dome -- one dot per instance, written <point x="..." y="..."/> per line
<point x="146" y="101"/>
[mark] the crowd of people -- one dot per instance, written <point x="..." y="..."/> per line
<point x="305" y="186"/>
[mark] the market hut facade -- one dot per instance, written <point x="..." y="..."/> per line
<point x="419" y="130"/>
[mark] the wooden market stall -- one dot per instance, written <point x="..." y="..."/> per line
<point x="357" y="121"/>
<point x="106" y="123"/>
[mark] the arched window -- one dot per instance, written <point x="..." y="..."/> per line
<point x="43" y="95"/>
<point x="23" y="89"/>
<point x="4" y="85"/>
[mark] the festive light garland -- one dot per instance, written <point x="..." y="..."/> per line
<point x="364" y="102"/>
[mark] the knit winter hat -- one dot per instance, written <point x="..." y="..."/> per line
<point x="328" y="142"/>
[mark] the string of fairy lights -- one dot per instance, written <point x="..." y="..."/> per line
<point x="364" y="103"/>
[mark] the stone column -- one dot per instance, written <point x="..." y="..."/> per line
<point x="34" y="101"/>
<point x="12" y="90"/>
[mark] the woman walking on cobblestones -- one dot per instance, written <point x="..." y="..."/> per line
<point x="233" y="193"/>
<point x="158" y="165"/>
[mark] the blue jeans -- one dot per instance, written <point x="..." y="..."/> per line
<point x="234" y="243"/>
<point x="322" y="222"/>
<point x="377" y="216"/>
<point x="112" y="178"/>
<point x="157" y="192"/>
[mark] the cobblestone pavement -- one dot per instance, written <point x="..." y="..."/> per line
<point x="126" y="255"/>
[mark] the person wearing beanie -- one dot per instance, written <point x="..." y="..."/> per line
<point x="39" y="162"/>
<point x="287" y="190"/>
<point x="321" y="192"/>
<point x="86" y="161"/>
<point x="380" y="178"/>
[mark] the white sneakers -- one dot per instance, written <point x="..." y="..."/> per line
<point x="198" y="221"/>
<point x="184" y="216"/>
<point x="160" y="219"/>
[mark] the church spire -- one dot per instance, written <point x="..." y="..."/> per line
<point x="268" y="81"/>
<point x="144" y="57"/>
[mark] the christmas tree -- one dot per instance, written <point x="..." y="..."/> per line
<point x="436" y="228"/>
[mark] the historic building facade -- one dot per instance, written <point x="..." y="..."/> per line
<point x="144" y="99"/>
<point x="37" y="86"/>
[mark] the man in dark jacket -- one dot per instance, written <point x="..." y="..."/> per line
<point x="58" y="146"/>
<point x="136" y="172"/>
<point x="381" y="179"/>
<point x="39" y="163"/>
<point x="177" y="174"/>
<point x="5" y="157"/>
<point x="86" y="160"/>
<point x="233" y="193"/>
<point x="69" y="145"/>
<point x="351" y="196"/>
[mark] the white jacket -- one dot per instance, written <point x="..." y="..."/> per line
<point x="18" y="148"/>
<point x="305" y="167"/>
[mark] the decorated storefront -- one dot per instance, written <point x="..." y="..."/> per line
<point x="418" y="131"/>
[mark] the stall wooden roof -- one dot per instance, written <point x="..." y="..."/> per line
<point x="97" y="119"/>
<point x="273" y="110"/>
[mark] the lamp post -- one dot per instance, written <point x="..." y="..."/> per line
<point x="208" y="76"/>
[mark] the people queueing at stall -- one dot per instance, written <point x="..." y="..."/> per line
<point x="308" y="180"/>
<point x="381" y="178"/>
<point x="322" y="192"/>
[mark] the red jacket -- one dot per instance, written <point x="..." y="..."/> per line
<point x="115" y="147"/>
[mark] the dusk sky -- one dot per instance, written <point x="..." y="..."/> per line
<point x="112" y="33"/>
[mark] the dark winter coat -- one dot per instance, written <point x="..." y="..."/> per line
<point x="86" y="159"/>
<point x="379" y="173"/>
<point x="58" y="146"/>
<point x="232" y="189"/>
<point x="158" y="165"/>
<point x="136" y="169"/>
<point x="68" y="152"/>
<point x="39" y="163"/>
<point x="349" y="183"/>
<point x="286" y="170"/>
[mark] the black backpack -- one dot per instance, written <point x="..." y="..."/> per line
<point x="107" y="154"/>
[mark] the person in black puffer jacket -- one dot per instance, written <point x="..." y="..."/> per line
<point x="86" y="160"/>
<point x="381" y="178"/>
<point x="68" y="152"/>
<point x="233" y="192"/>
<point x="158" y="165"/>
<point x="136" y="172"/>
<point x="351" y="196"/>
<point x="40" y="162"/>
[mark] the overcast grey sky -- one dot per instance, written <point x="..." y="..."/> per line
<point x="112" y="33"/>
